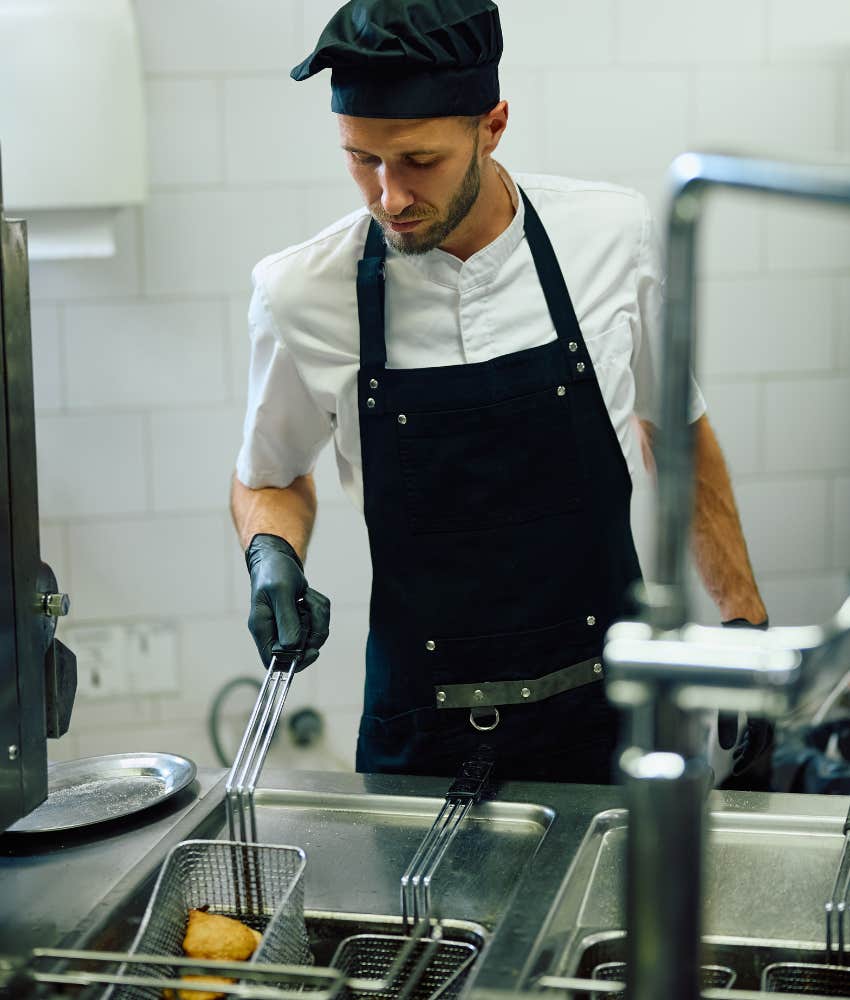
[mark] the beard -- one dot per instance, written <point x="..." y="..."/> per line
<point x="442" y="227"/>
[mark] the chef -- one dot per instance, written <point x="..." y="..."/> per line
<point x="483" y="349"/>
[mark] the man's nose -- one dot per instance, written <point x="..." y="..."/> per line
<point x="395" y="196"/>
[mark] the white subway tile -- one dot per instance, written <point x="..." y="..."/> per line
<point x="766" y="111"/>
<point x="326" y="475"/>
<point x="615" y="120"/>
<point x="53" y="548"/>
<point x="841" y="524"/>
<point x="140" y="567"/>
<point x="240" y="346"/>
<point x="218" y="36"/>
<point x="193" y="457"/>
<point x="805" y="425"/>
<point x="842" y="327"/>
<point x="184" y="132"/>
<point x="341" y="667"/>
<point x="91" y="465"/>
<point x="187" y="739"/>
<point x="338" y="563"/>
<point x="813" y="32"/>
<point x="317" y="13"/>
<point x="658" y="32"/>
<point x="323" y="204"/>
<point x="558" y="32"/>
<point x="48" y="387"/>
<point x="277" y="131"/>
<point x="751" y="326"/>
<point x="112" y="277"/>
<point x="524" y="144"/>
<point x="803" y="599"/>
<point x="785" y="524"/>
<point x="732" y="234"/>
<point x="146" y="354"/>
<point x="733" y="409"/>
<point x="65" y="748"/>
<point x="91" y="713"/>
<point x="810" y="237"/>
<point x="844" y="102"/>
<point x="207" y="242"/>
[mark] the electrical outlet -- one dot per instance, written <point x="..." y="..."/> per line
<point x="101" y="671"/>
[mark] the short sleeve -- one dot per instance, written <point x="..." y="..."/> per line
<point x="647" y="354"/>
<point x="284" y="428"/>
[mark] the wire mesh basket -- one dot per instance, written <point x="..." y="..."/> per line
<point x="803" y="978"/>
<point x="259" y="884"/>
<point x="718" y="977"/>
<point x="436" y="968"/>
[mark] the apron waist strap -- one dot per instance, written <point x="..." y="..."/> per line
<point x="488" y="694"/>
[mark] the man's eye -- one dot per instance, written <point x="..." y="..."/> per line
<point x="422" y="163"/>
<point x="365" y="160"/>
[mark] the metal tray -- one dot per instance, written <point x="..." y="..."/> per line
<point x="98" y="789"/>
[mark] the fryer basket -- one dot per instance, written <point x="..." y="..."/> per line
<point x="371" y="956"/>
<point x="719" y="977"/>
<point x="804" y="977"/>
<point x="260" y="884"/>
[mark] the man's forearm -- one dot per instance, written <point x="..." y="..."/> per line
<point x="288" y="512"/>
<point x="720" y="551"/>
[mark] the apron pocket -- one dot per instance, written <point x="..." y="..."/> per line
<point x="490" y="466"/>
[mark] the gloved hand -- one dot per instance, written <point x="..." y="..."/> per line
<point x="286" y="615"/>
<point x="757" y="737"/>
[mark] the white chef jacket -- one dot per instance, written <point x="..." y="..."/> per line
<point x="305" y="337"/>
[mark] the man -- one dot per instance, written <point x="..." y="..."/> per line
<point x="483" y="412"/>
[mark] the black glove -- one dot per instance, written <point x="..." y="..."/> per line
<point x="286" y="615"/>
<point x="757" y="737"/>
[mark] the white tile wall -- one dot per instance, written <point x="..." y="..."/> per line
<point x="141" y="360"/>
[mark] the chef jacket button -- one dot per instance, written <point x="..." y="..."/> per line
<point x="562" y="390"/>
<point x="402" y="419"/>
<point x="526" y="692"/>
<point x="370" y="403"/>
<point x="573" y="346"/>
<point x="580" y="367"/>
<point x="591" y="620"/>
<point x="597" y="668"/>
<point x="430" y="645"/>
<point x="478" y="695"/>
<point x="373" y="383"/>
<point x="441" y="696"/>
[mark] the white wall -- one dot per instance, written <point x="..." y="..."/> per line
<point x="141" y="360"/>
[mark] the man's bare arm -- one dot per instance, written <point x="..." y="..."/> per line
<point x="720" y="551"/>
<point x="289" y="513"/>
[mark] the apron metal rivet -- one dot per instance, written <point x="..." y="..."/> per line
<point x="441" y="696"/>
<point x="478" y="695"/>
<point x="370" y="403"/>
<point x="562" y="390"/>
<point x="573" y="346"/>
<point x="580" y="367"/>
<point x="597" y="668"/>
<point x="430" y="645"/>
<point x="591" y="620"/>
<point x="526" y="693"/>
<point x="373" y="383"/>
<point x="402" y="419"/>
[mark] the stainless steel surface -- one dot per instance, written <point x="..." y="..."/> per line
<point x="252" y="752"/>
<point x="835" y="908"/>
<point x="99" y="789"/>
<point x="664" y="673"/>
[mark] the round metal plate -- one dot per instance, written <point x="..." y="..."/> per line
<point x="99" y="789"/>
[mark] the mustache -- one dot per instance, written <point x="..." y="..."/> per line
<point x="412" y="214"/>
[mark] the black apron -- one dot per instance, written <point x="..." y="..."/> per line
<point x="497" y="503"/>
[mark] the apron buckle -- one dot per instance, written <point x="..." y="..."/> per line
<point x="490" y="719"/>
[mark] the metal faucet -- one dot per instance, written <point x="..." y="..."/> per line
<point x="665" y="673"/>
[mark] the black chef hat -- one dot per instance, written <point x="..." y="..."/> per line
<point x="410" y="58"/>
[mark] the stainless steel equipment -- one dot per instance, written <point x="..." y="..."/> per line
<point x="252" y="752"/>
<point x="37" y="672"/>
<point x="464" y="793"/>
<point x="665" y="673"/>
<point x="836" y="906"/>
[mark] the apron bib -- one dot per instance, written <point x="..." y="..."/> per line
<point x="497" y="504"/>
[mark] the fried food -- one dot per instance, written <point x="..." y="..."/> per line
<point x="210" y="935"/>
<point x="197" y="994"/>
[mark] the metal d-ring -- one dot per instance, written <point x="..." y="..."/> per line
<point x="483" y="729"/>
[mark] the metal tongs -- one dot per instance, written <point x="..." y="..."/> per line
<point x="246" y="767"/>
<point x="464" y="793"/>
<point x="836" y="906"/>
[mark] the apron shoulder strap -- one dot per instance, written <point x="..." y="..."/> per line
<point x="371" y="282"/>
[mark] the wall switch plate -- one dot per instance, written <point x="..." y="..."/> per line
<point x="151" y="658"/>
